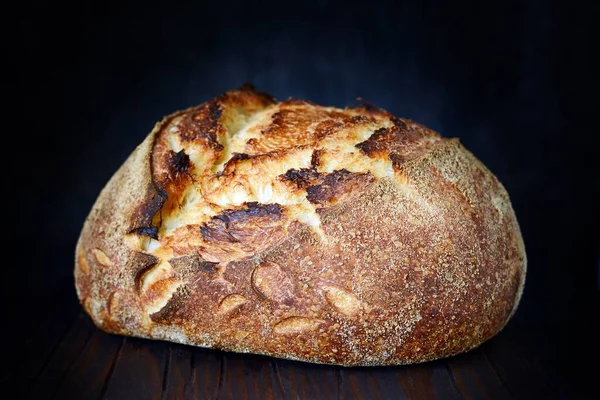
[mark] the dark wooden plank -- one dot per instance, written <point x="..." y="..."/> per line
<point x="89" y="373"/>
<point x="138" y="371"/>
<point x="32" y="355"/>
<point x="65" y="355"/>
<point x="206" y="369"/>
<point x="285" y="391"/>
<point x="520" y="372"/>
<point x="247" y="377"/>
<point x="385" y="383"/>
<point x="69" y="366"/>
<point x="189" y="372"/>
<point x="428" y="381"/>
<point x="475" y="379"/>
<point x="299" y="380"/>
<point x="370" y="383"/>
<point x="177" y="372"/>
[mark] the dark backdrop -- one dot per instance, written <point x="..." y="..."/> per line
<point x="515" y="81"/>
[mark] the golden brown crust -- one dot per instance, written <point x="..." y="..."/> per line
<point x="348" y="237"/>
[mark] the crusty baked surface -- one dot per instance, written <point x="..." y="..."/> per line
<point x="342" y="236"/>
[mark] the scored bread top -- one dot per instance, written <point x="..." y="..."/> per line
<point x="240" y="172"/>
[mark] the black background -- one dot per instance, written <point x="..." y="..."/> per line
<point x="515" y="81"/>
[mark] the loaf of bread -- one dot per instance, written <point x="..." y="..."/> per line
<point x="338" y="236"/>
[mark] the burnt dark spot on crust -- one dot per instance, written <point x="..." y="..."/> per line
<point x="358" y="119"/>
<point x="179" y="163"/>
<point x="239" y="156"/>
<point x="168" y="315"/>
<point x="150" y="231"/>
<point x="337" y="185"/>
<point x="379" y="140"/>
<point x="324" y="189"/>
<point x="236" y="225"/>
<point x="142" y="216"/>
<point x="303" y="178"/>
<point x="253" y="210"/>
<point x="403" y="140"/>
<point x="202" y="124"/>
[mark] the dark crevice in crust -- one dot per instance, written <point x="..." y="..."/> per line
<point x="179" y="163"/>
<point x="235" y="157"/>
<point x="379" y="141"/>
<point x="324" y="189"/>
<point x="145" y="262"/>
<point x="303" y="178"/>
<point x="315" y="159"/>
<point x="401" y="140"/>
<point x="337" y="185"/>
<point x="142" y="217"/>
<point x="252" y="210"/>
<point x="150" y="231"/>
<point x="235" y="226"/>
<point x="203" y="124"/>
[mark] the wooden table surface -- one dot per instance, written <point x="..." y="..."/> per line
<point x="66" y="357"/>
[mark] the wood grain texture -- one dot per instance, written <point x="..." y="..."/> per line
<point x="65" y="355"/>
<point x="137" y="371"/>
<point x="90" y="372"/>
<point x="79" y="361"/>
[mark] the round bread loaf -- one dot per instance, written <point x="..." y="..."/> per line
<point x="337" y="236"/>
